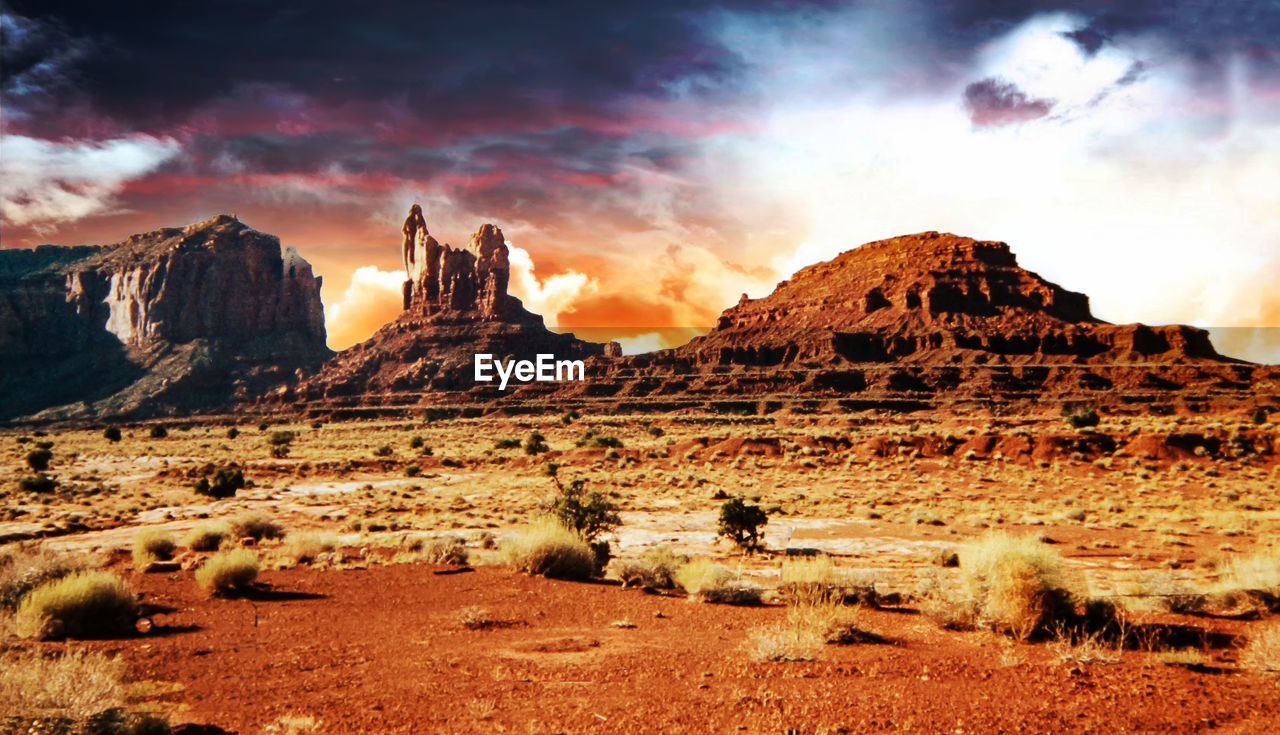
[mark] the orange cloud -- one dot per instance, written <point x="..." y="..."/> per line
<point x="373" y="298"/>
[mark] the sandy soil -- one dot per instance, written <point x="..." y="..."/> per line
<point x="383" y="650"/>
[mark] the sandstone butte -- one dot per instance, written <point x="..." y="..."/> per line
<point x="212" y="315"/>
<point x="921" y="321"/>
<point x="165" y="322"/>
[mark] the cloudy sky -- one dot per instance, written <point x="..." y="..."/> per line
<point x="652" y="161"/>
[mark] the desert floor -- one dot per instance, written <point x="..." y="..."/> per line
<point x="1148" y="512"/>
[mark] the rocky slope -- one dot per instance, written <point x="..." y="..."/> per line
<point x="456" y="305"/>
<point x="923" y="320"/>
<point x="169" y="321"/>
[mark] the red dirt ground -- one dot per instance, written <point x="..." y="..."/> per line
<point x="382" y="650"/>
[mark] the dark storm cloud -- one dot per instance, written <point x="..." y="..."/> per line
<point x="996" y="102"/>
<point x="159" y="62"/>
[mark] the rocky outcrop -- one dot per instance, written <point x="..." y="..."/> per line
<point x="174" y="320"/>
<point x="456" y="306"/>
<point x="923" y="320"/>
<point x="473" y="279"/>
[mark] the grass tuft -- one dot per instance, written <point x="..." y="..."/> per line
<point x="1016" y="584"/>
<point x="24" y="567"/>
<point x="256" y="525"/>
<point x="445" y="550"/>
<point x="228" y="572"/>
<point x="706" y="581"/>
<point x="80" y="605"/>
<point x="208" y="536"/>
<point x="547" y="548"/>
<point x="152" y="545"/>
<point x="656" y="568"/>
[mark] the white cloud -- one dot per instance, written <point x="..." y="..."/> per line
<point x="373" y="298"/>
<point x="1156" y="200"/>
<point x="44" y="181"/>
<point x="551" y="296"/>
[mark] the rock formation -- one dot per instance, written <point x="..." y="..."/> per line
<point x="921" y="320"/>
<point x="456" y="305"/>
<point x="168" y="321"/>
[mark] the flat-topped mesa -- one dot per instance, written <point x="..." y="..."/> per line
<point x="931" y="298"/>
<point x="473" y="279"/>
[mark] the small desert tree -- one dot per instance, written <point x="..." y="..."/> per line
<point x="587" y="513"/>
<point x="111" y="434"/>
<point x="535" y="444"/>
<point x="740" y="522"/>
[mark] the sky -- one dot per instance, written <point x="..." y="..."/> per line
<point x="651" y="162"/>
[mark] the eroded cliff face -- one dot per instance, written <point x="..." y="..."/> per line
<point x="172" y="320"/>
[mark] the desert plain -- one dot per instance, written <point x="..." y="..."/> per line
<point x="388" y="600"/>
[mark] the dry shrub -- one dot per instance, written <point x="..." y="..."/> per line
<point x="549" y="549"/>
<point x="817" y="579"/>
<point x="656" y="568"/>
<point x="293" y="725"/>
<point x="445" y="550"/>
<point x="1262" y="652"/>
<point x="304" y="548"/>
<point x="1252" y="582"/>
<point x="23" y="567"/>
<point x="76" y="684"/>
<point x="783" y="642"/>
<point x="477" y="618"/>
<point x="79" y="605"/>
<point x="256" y="525"/>
<point x="151" y="545"/>
<point x="228" y="572"/>
<point x="1016" y="585"/>
<point x="706" y="581"/>
<point x="207" y="536"/>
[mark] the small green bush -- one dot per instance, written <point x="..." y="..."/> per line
<point x="535" y="444"/>
<point x="1259" y="415"/>
<point x="224" y="484"/>
<point x="112" y="434"/>
<point x="508" y="443"/>
<point x="383" y="451"/>
<point x="79" y="605"/>
<point x="281" y="438"/>
<point x="588" y="513"/>
<point x="38" y="459"/>
<point x="591" y="439"/>
<point x="233" y="432"/>
<point x="549" y="549"/>
<point x="152" y="545"/>
<point x="158" y="432"/>
<point x="417" y="442"/>
<point x="412" y="470"/>
<point x="740" y="522"/>
<point x="207" y="536"/>
<point x="1083" y="418"/>
<point x="228" y="572"/>
<point x="40" y="483"/>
